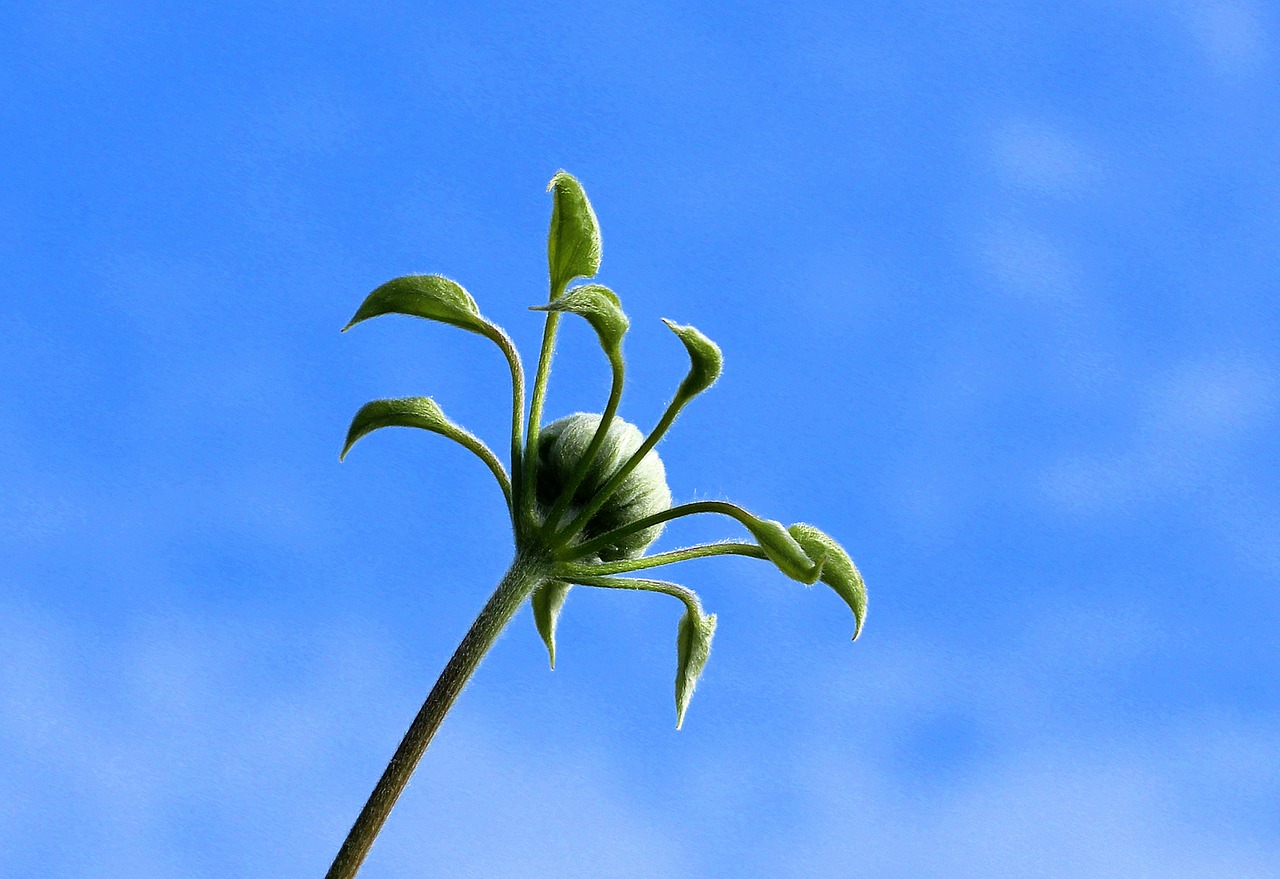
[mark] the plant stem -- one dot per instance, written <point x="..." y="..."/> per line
<point x="529" y="471"/>
<point x="702" y="551"/>
<point x="524" y="575"/>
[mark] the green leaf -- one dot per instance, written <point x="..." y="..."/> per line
<point x="838" y="572"/>
<point x="784" y="550"/>
<point x="705" y="358"/>
<point x="434" y="297"/>
<point x="693" y="646"/>
<point x="600" y="307"/>
<point x="573" y="242"/>
<point x="547" y="600"/>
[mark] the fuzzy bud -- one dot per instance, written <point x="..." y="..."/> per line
<point x="644" y="492"/>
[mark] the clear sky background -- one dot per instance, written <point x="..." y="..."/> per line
<point x="996" y="285"/>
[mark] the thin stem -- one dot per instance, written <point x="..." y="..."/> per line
<point x="530" y="470"/>
<point x="688" y="596"/>
<point x="702" y="551"/>
<point x="602" y="496"/>
<point x="473" y="443"/>
<point x="524" y="575"/>
<point x="584" y="465"/>
<point x="504" y="342"/>
<point x="594" y="545"/>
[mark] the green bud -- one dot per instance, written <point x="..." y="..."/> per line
<point x="434" y="297"/>
<point x="693" y="646"/>
<point x="561" y="447"/>
<point x="705" y="358"/>
<point x="573" y="242"/>
<point x="838" y="572"/>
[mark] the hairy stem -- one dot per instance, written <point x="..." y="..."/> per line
<point x="524" y="575"/>
<point x="588" y="457"/>
<point x="529" y="472"/>
<point x="688" y="596"/>
<point x="504" y="342"/>
<point x="702" y="551"/>
<point x="690" y="509"/>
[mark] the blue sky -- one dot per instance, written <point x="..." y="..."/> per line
<point x="996" y="291"/>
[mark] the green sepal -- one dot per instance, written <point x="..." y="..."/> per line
<point x="693" y="646"/>
<point x="573" y="241"/>
<point x="784" y="550"/>
<point x="600" y="307"/>
<point x="705" y="360"/>
<point x="434" y="297"/>
<point x="839" y="572"/>
<point x="547" y="600"/>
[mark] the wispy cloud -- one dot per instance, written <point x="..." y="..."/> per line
<point x="133" y="754"/>
<point x="1231" y="33"/>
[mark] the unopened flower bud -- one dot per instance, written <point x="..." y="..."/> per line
<point x="642" y="493"/>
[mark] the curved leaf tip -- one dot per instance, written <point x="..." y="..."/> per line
<point x="421" y="412"/>
<point x="705" y="359"/>
<point x="839" y="572"/>
<point x="600" y="307"/>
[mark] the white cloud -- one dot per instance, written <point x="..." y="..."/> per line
<point x="1056" y="792"/>
<point x="1030" y="264"/>
<point x="195" y="746"/>
<point x="1037" y="156"/>
<point x="147" y="755"/>
<point x="1231" y="33"/>
<point x="1187" y="435"/>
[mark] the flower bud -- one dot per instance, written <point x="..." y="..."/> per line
<point x="642" y="493"/>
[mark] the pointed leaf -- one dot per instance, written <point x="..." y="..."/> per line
<point x="434" y="297"/>
<point x="838" y="572"/>
<point x="547" y="600"/>
<point x="705" y="358"/>
<point x="601" y="308"/>
<point x="573" y="242"/>
<point x="693" y="646"/>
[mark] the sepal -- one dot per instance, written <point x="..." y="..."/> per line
<point x="693" y="646"/>
<point x="546" y="601"/>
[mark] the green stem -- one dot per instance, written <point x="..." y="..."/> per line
<point x="702" y="551"/>
<point x="598" y="543"/>
<point x="473" y="443"/>
<point x="504" y="342"/>
<point x="593" y="448"/>
<point x="523" y="577"/>
<point x="688" y="596"/>
<point x="529" y="479"/>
